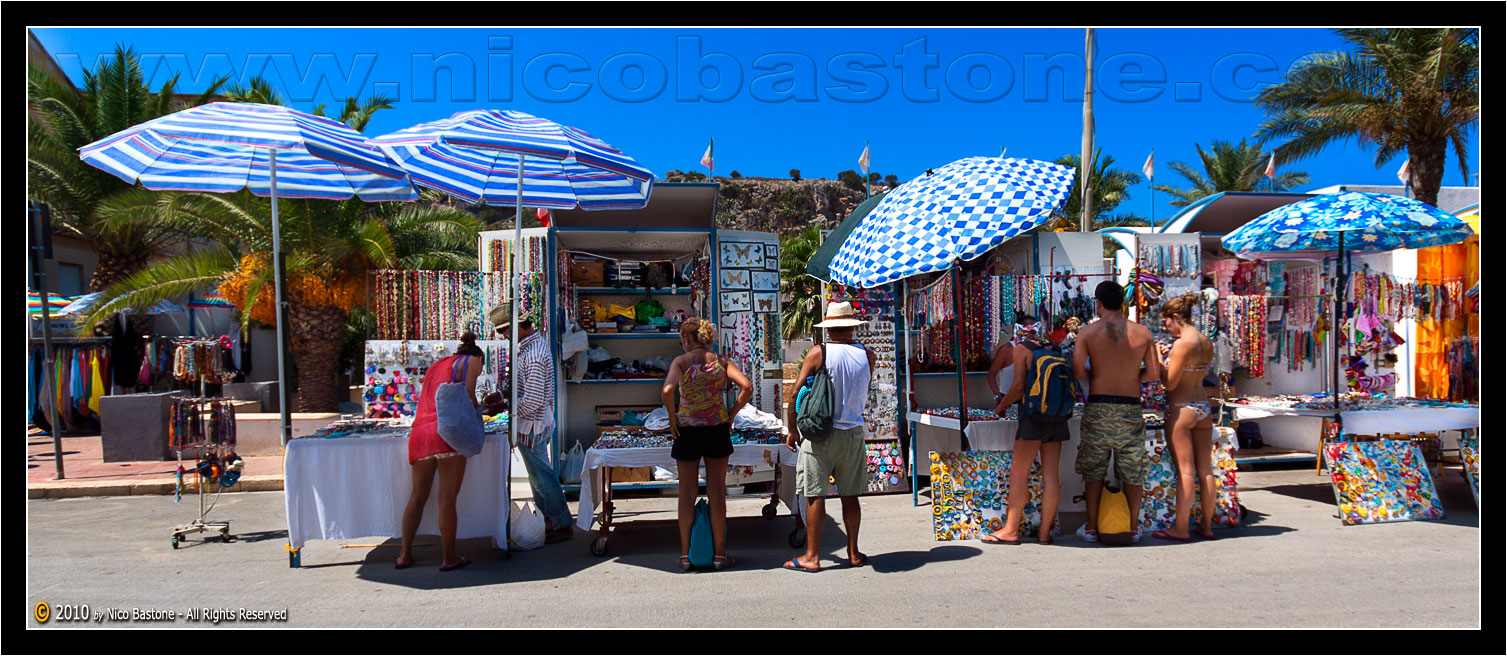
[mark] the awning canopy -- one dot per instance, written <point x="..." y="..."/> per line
<point x="819" y="266"/>
<point x="1225" y="212"/>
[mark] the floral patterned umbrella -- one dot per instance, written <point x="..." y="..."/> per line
<point x="1362" y="222"/>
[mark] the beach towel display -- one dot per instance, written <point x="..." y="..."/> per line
<point x="1382" y="481"/>
<point x="971" y="495"/>
<point x="1159" y="503"/>
<point x="1470" y="457"/>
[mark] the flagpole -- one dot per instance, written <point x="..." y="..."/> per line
<point x="1085" y="218"/>
<point x="865" y="173"/>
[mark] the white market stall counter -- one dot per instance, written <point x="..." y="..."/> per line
<point x="354" y="487"/>
<point x="597" y="490"/>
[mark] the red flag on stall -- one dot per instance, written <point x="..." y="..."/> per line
<point x="543" y="216"/>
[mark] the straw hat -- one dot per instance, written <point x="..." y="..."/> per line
<point x="840" y="315"/>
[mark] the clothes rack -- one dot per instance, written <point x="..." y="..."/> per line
<point x="206" y="428"/>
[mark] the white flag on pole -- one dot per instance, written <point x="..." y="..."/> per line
<point x="1403" y="175"/>
<point x="1271" y="167"/>
<point x="1147" y="169"/>
<point x="863" y="160"/>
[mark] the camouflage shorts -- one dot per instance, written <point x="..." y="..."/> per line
<point x="1118" y="431"/>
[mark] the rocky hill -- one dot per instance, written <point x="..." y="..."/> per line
<point x="778" y="205"/>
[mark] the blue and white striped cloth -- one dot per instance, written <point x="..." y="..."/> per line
<point x="222" y="147"/>
<point x="1371" y="223"/>
<point x="473" y="155"/>
<point x="963" y="210"/>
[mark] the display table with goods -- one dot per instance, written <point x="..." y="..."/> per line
<point x="352" y="479"/>
<point x="1363" y="415"/>
<point x="989" y="432"/>
<point x="638" y="447"/>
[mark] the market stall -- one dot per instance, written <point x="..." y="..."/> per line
<point x="611" y="290"/>
<point x="352" y="480"/>
<point x="1366" y="475"/>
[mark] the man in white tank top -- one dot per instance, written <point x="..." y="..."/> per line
<point x="840" y="455"/>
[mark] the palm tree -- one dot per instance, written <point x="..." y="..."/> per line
<point x="1229" y="167"/>
<point x="803" y="310"/>
<point x="114" y="97"/>
<point x="329" y="246"/>
<point x="1403" y="89"/>
<point x="1109" y="187"/>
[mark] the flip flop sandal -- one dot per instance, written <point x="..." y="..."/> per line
<point x="795" y="565"/>
<point x="1045" y="540"/>
<point x="684" y="563"/>
<point x="463" y="562"/>
<point x="395" y="565"/>
<point x="720" y="563"/>
<point x="990" y="539"/>
<point x="861" y="561"/>
<point x="1163" y="535"/>
<point x="1210" y="537"/>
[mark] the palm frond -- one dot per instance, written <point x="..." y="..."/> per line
<point x="161" y="280"/>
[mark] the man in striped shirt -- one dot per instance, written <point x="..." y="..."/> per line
<point x="536" y="421"/>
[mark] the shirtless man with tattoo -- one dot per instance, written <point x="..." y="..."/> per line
<point x="1123" y="355"/>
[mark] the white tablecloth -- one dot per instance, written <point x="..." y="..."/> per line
<point x="357" y="487"/>
<point x="1376" y="422"/>
<point x="592" y="472"/>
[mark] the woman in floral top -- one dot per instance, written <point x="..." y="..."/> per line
<point x="702" y="428"/>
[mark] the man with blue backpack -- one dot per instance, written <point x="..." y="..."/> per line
<point x="1044" y="386"/>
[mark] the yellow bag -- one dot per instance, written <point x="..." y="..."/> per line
<point x="1115" y="523"/>
<point x="616" y="310"/>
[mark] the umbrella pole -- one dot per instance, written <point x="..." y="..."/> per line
<point x="283" y="395"/>
<point x="517" y="266"/>
<point x="49" y="375"/>
<point x="957" y="349"/>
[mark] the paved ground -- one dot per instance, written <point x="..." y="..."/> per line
<point x="1293" y="565"/>
<point x="86" y="473"/>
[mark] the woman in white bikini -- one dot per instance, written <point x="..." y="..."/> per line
<point x="1190" y="428"/>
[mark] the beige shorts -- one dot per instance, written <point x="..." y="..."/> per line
<point x="839" y="457"/>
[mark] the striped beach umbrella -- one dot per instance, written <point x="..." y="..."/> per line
<point x="211" y="299"/>
<point x="475" y="155"/>
<point x="54" y="302"/>
<point x="955" y="214"/>
<point x="502" y="157"/>
<point x="224" y="147"/>
<point x="81" y="305"/>
<point x="270" y="150"/>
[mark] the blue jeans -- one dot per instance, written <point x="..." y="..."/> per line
<point x="548" y="495"/>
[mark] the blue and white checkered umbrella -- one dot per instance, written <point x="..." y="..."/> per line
<point x="474" y="155"/>
<point x="1362" y="222"/>
<point x="956" y="214"/>
<point x="271" y="150"/>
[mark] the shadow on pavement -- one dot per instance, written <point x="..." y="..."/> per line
<point x="262" y="536"/>
<point x="907" y="561"/>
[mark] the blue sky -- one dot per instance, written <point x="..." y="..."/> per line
<point x="777" y="99"/>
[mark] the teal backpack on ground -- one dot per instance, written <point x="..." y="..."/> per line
<point x="702" y="550"/>
<point x="814" y="415"/>
<point x="1050" y="389"/>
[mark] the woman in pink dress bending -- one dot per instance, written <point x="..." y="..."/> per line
<point x="428" y="453"/>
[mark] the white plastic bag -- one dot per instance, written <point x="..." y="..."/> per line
<point x="571" y="464"/>
<point x="525" y="527"/>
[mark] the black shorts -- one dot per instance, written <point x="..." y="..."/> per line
<point x="697" y="442"/>
<point x="1041" y="431"/>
